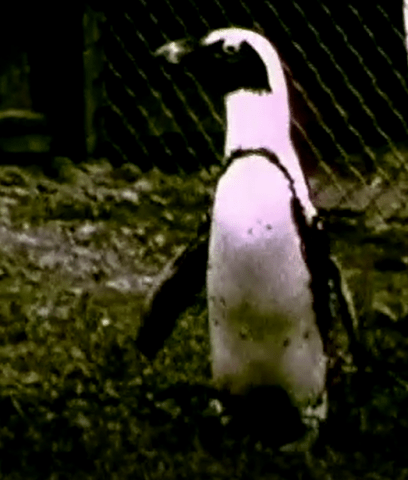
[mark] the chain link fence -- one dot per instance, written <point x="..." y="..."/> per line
<point x="346" y="68"/>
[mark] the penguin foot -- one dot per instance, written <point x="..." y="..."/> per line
<point x="303" y="444"/>
<point x="312" y="417"/>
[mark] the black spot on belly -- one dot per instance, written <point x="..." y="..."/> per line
<point x="223" y="302"/>
<point x="268" y="226"/>
<point x="306" y="335"/>
<point x="286" y="342"/>
<point x="250" y="231"/>
<point x="244" y="332"/>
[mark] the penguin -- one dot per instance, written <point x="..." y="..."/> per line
<point x="243" y="66"/>
<point x="273" y="289"/>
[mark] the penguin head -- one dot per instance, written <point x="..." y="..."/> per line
<point x="228" y="59"/>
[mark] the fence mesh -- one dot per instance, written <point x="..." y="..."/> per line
<point x="346" y="68"/>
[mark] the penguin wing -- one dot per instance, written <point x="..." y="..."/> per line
<point x="176" y="288"/>
<point x="335" y="314"/>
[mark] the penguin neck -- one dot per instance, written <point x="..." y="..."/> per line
<point x="257" y="120"/>
<point x="261" y="120"/>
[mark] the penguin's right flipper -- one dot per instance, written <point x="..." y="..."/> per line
<point x="175" y="290"/>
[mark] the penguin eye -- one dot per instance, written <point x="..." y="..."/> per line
<point x="226" y="51"/>
<point x="230" y="49"/>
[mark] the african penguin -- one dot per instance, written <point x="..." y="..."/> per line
<point x="249" y="75"/>
<point x="269" y="269"/>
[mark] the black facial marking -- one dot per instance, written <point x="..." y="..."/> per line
<point x="227" y="68"/>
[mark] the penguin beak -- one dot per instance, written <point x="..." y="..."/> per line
<point x="174" y="52"/>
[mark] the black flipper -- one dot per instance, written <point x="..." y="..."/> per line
<point x="333" y="304"/>
<point x="175" y="290"/>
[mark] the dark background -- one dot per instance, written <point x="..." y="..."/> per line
<point x="347" y="70"/>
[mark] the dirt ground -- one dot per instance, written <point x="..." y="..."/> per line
<point x="79" y="250"/>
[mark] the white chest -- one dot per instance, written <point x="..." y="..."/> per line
<point x="262" y="323"/>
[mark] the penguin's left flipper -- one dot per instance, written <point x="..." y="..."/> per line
<point x="175" y="290"/>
